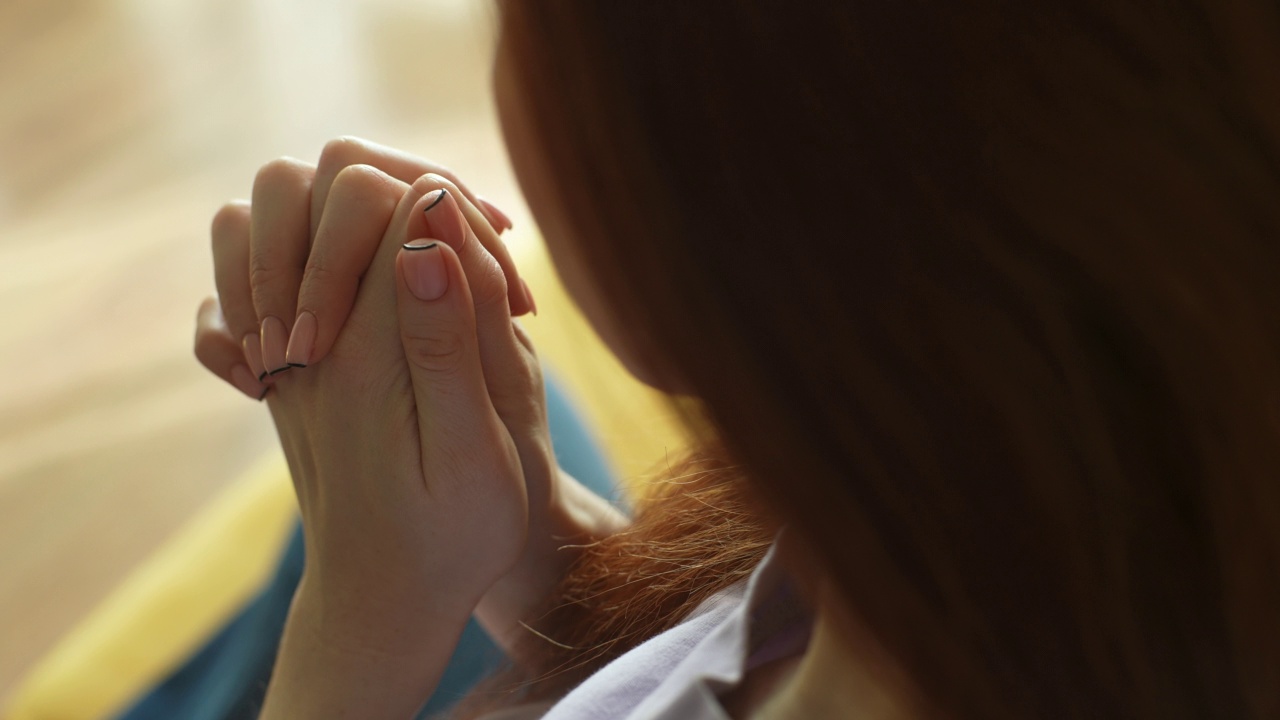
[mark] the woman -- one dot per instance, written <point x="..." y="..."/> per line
<point x="976" y="303"/>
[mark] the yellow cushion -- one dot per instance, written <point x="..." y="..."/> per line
<point x="164" y="611"/>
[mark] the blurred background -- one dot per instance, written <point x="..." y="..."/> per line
<point x="124" y="124"/>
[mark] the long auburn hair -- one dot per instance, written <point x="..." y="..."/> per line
<point x="982" y="298"/>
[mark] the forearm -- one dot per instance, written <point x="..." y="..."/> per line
<point x="333" y="663"/>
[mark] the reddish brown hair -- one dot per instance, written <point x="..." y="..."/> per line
<point x="982" y="298"/>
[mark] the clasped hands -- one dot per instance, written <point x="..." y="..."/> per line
<point x="370" y="299"/>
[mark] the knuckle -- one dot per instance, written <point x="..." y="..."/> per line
<point x="490" y="285"/>
<point x="526" y="342"/>
<point x="437" y="351"/>
<point x="284" y="171"/>
<point x="526" y="381"/>
<point x="321" y="285"/>
<point x="360" y="181"/>
<point x="527" y="378"/>
<point x="263" y="275"/>
<point x="536" y="384"/>
<point x="489" y="295"/>
<point x="318" y="275"/>
<point x="230" y="220"/>
<point x="533" y="370"/>
<point x="340" y="152"/>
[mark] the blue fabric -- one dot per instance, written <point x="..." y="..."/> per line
<point x="227" y="678"/>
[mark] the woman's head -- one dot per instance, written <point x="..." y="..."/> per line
<point x="982" y="299"/>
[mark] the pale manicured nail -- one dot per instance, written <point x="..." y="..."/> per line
<point x="275" y="337"/>
<point x="433" y="199"/>
<point x="302" y="340"/>
<point x="424" y="270"/>
<point x="444" y="224"/>
<point x="243" y="379"/>
<point x="253" y="355"/>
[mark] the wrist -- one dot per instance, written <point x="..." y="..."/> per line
<point x="336" y="661"/>
<point x="361" y="620"/>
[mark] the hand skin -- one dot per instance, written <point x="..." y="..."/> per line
<point x="571" y="517"/>
<point x="411" y="492"/>
<point x="403" y="472"/>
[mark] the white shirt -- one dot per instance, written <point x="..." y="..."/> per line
<point x="681" y="673"/>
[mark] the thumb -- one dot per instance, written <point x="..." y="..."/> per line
<point x="438" y="331"/>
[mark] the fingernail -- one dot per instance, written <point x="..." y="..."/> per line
<point x="243" y="380"/>
<point x="253" y="355"/>
<point x="433" y="199"/>
<point x="443" y="226"/>
<point x="528" y="297"/>
<point x="302" y="341"/>
<point x="424" y="269"/>
<point x="274" y="340"/>
<point x="503" y="219"/>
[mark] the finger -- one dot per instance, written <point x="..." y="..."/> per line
<point x="508" y="371"/>
<point x="400" y="165"/>
<point x="502" y="220"/>
<point x="528" y="296"/>
<point x="279" y="242"/>
<point x="359" y="209"/>
<point x="218" y="351"/>
<point x="437" y="329"/>
<point x="522" y="336"/>
<point x="230" y="233"/>
<point x="519" y="301"/>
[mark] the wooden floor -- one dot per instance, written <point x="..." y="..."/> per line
<point x="123" y="125"/>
